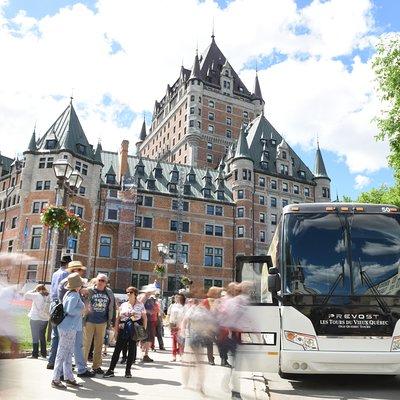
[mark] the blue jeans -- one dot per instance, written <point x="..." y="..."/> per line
<point x="54" y="345"/>
<point x="38" y="330"/>
<point x="78" y="353"/>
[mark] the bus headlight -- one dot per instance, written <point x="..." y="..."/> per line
<point x="395" y="344"/>
<point x="308" y="342"/>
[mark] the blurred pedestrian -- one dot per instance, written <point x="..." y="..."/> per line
<point x="159" y="331"/>
<point x="175" y="314"/>
<point x="129" y="312"/>
<point x="101" y="315"/>
<point x="72" y="322"/>
<point x="39" y="315"/>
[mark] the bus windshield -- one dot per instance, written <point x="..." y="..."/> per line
<point x="332" y="254"/>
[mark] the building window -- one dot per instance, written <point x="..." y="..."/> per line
<point x="73" y="244"/>
<point x="84" y="169"/>
<point x="240" y="194"/>
<point x="209" y="158"/>
<point x="82" y="191"/>
<point x="284" y="155"/>
<point x="211" y="282"/>
<point x="141" y="250"/>
<point x="36" y="237"/>
<point x="302" y="174"/>
<point x="191" y="125"/>
<point x="273" y="184"/>
<point x="210" y="128"/>
<point x="213" y="257"/>
<point x="1" y="226"/>
<point x="214" y="210"/>
<point x="284" y="169"/>
<point x="39" y="185"/>
<point x="191" y="110"/>
<point x="113" y="193"/>
<point x="148" y="201"/>
<point x="262" y="200"/>
<point x="209" y="230"/>
<point x="261" y="181"/>
<point x="211" y="116"/>
<point x="209" y="145"/>
<point x="240" y="212"/>
<point x="31" y="273"/>
<point x="184" y="205"/>
<point x="218" y="230"/>
<point x="38" y="206"/>
<point x="307" y="192"/>
<point x="112" y="214"/>
<point x="192" y="97"/>
<point x="296" y="189"/>
<point x="77" y="210"/>
<point x="211" y="103"/>
<point x="325" y="192"/>
<point x="140" y="280"/>
<point x="262" y="236"/>
<point x="105" y="246"/>
<point x="285" y="187"/>
<point x="14" y="223"/>
<point x="274" y="219"/>
<point x="228" y="133"/>
<point x="42" y="162"/>
<point x="46" y="185"/>
<point x="273" y="202"/>
<point x="147" y="222"/>
<point x="285" y="202"/>
<point x="50" y="144"/>
<point x="240" y="231"/>
<point x="10" y="246"/>
<point x="262" y="217"/>
<point x="174" y="226"/>
<point x="229" y="109"/>
<point x="184" y="253"/>
<point x="228" y="121"/>
<point x="110" y="179"/>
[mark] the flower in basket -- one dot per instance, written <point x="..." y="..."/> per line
<point x="160" y="270"/>
<point x="54" y="217"/>
<point x="186" y="281"/>
<point x="75" y="224"/>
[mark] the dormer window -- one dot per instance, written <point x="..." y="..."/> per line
<point x="208" y="180"/>
<point x="220" y="194"/>
<point x="302" y="174"/>
<point x="284" y="155"/>
<point x="81" y="149"/>
<point x="151" y="185"/>
<point x="110" y="179"/>
<point x="226" y="73"/>
<point x="175" y="175"/>
<point x="172" y="187"/>
<point x="264" y="164"/>
<point x="158" y="173"/>
<point x="207" y="192"/>
<point x="50" y="144"/>
<point x="273" y="142"/>
<point x="140" y="169"/>
<point x="191" y="178"/>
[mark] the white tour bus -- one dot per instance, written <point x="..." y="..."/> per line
<point x="326" y="298"/>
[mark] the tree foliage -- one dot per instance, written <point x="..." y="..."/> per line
<point x="386" y="65"/>
<point x="381" y="195"/>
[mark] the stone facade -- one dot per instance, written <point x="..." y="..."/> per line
<point x="231" y="187"/>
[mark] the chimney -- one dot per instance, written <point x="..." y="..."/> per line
<point x="123" y="159"/>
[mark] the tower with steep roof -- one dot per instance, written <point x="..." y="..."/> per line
<point x="321" y="178"/>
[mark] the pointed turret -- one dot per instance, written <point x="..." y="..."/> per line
<point x="97" y="153"/>
<point x="257" y="90"/>
<point x="320" y="170"/>
<point x="242" y="148"/>
<point x="195" y="74"/>
<point x="32" y="143"/>
<point x="143" y="133"/>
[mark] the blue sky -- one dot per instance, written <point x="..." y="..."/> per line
<point x="120" y="105"/>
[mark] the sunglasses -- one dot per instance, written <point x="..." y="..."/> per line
<point x="101" y="280"/>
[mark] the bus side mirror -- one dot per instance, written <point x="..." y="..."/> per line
<point x="274" y="283"/>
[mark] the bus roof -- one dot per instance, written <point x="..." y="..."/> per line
<point x="341" y="208"/>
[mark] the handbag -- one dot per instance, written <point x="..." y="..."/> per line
<point x="57" y="313"/>
<point x="139" y="333"/>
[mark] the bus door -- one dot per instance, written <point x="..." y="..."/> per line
<point x="260" y="333"/>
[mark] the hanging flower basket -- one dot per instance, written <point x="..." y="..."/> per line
<point x="54" y="217"/>
<point x="186" y="281"/>
<point x="160" y="270"/>
<point x="75" y="224"/>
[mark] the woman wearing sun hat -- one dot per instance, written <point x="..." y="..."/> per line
<point x="73" y="308"/>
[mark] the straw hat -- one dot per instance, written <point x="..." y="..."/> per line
<point x="148" y="289"/>
<point x="75" y="265"/>
<point x="74" y="281"/>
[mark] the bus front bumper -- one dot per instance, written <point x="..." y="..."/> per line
<point x="329" y="362"/>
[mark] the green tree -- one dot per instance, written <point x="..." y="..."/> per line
<point x="386" y="65"/>
<point x="381" y="195"/>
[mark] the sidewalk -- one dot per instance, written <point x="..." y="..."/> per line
<point x="29" y="379"/>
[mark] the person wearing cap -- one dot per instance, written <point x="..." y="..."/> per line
<point x="72" y="322"/>
<point x="101" y="314"/>
<point x="57" y="277"/>
<point x="83" y="371"/>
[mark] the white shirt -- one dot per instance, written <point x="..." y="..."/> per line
<point x="40" y="309"/>
<point x="127" y="310"/>
<point x="175" y="313"/>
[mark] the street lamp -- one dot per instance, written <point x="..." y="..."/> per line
<point x="62" y="169"/>
<point x="75" y="180"/>
<point x="163" y="251"/>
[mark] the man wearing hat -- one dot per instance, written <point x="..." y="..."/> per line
<point x="57" y="277"/>
<point x="83" y="371"/>
<point x="101" y="303"/>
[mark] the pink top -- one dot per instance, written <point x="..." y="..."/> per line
<point x="127" y="310"/>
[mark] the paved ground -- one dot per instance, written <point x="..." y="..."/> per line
<point x="28" y="379"/>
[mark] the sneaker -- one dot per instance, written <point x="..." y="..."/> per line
<point x="211" y="362"/>
<point x="109" y="374"/>
<point x="33" y="357"/>
<point x="58" y="385"/>
<point x="128" y="375"/>
<point x="146" y="359"/>
<point x="123" y="360"/>
<point x="73" y="383"/>
<point x="87" y="374"/>
<point x="50" y="366"/>
<point x="98" y="371"/>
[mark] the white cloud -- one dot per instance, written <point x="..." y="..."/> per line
<point x="361" y="181"/>
<point x="46" y="58"/>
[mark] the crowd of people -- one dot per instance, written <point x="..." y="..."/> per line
<point x="93" y="316"/>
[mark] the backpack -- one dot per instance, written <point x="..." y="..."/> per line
<point x="56" y="313"/>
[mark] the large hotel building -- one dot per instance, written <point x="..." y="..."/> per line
<point x="209" y="180"/>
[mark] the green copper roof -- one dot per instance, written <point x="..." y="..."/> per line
<point x="242" y="148"/>
<point x="320" y="170"/>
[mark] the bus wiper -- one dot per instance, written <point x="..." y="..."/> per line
<point x="334" y="286"/>
<point x="378" y="296"/>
